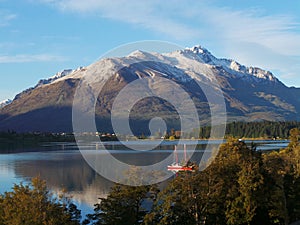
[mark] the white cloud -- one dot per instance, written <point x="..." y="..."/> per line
<point x="6" y="18"/>
<point x="147" y="14"/>
<point x="31" y="58"/>
<point x="276" y="32"/>
<point x="188" y="20"/>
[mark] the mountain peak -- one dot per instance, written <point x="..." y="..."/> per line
<point x="198" y="49"/>
<point x="143" y="55"/>
<point x="5" y="102"/>
<point x="233" y="67"/>
<point x="137" y="53"/>
<point x="200" y="52"/>
<point x="58" y="75"/>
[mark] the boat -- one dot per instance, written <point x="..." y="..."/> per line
<point x="176" y="167"/>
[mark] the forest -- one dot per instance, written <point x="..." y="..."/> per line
<point x="259" y="129"/>
<point x="240" y="186"/>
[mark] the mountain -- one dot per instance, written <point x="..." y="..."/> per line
<point x="250" y="93"/>
<point x="5" y="103"/>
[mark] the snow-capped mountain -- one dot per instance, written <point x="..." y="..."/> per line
<point x="5" y="103"/>
<point x="251" y="74"/>
<point x="58" y="75"/>
<point x="250" y="93"/>
<point x="51" y="79"/>
<point x="55" y="77"/>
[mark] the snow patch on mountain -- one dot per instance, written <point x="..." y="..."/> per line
<point x="252" y="74"/>
<point x="55" y="77"/>
<point x="192" y="65"/>
<point x="5" y="103"/>
<point x="59" y="75"/>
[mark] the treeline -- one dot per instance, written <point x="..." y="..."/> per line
<point x="263" y="129"/>
<point x="11" y="141"/>
<point x="35" y="137"/>
<point x="240" y="186"/>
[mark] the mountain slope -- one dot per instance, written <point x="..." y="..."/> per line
<point x="250" y="93"/>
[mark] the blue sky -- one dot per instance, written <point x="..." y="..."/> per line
<point x="41" y="37"/>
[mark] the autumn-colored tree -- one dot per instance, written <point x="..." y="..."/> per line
<point x="294" y="137"/>
<point x="34" y="204"/>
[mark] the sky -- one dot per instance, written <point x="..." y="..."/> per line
<point x="39" y="38"/>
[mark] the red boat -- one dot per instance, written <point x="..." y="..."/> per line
<point x="176" y="167"/>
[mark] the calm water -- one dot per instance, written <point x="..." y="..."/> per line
<point x="63" y="166"/>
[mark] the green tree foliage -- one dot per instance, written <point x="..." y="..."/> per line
<point x="275" y="194"/>
<point x="198" y="197"/>
<point x="125" y="205"/>
<point x="182" y="202"/>
<point x="236" y="180"/>
<point x="264" y="129"/>
<point x="292" y="175"/>
<point x="34" y="205"/>
<point x="241" y="186"/>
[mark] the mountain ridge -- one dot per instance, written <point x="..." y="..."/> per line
<point x="250" y="93"/>
<point x="5" y="103"/>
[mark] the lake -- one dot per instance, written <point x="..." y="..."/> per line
<point x="63" y="166"/>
